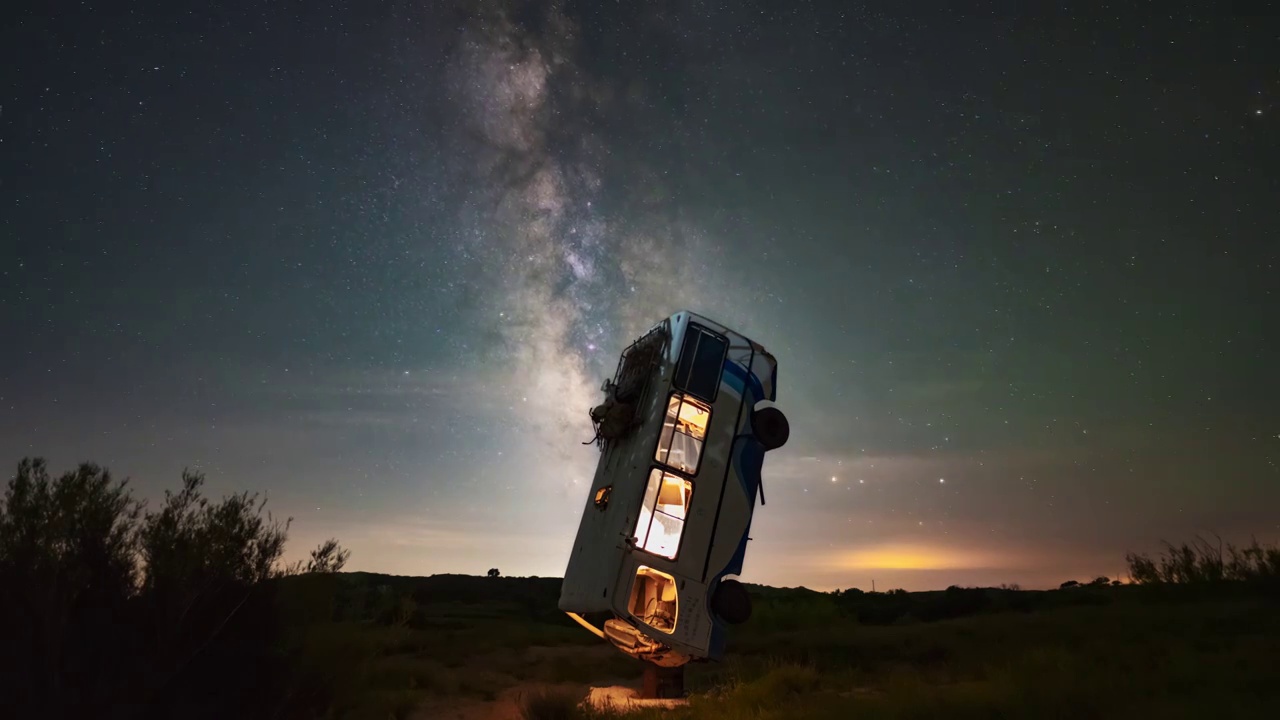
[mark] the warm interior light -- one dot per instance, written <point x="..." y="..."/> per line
<point x="602" y="496"/>
<point x="654" y="600"/>
<point x="661" y="519"/>
<point x="692" y="417"/>
<point x="673" y="496"/>
<point x="683" y="432"/>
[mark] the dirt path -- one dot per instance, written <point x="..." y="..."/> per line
<point x="508" y="702"/>
<point x="505" y="707"/>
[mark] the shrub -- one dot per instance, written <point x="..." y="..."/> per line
<point x="106" y="611"/>
<point x="68" y="565"/>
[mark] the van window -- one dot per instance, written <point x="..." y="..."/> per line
<point x="654" y="600"/>
<point x="701" y="363"/>
<point x="662" y="513"/>
<point x="683" y="432"/>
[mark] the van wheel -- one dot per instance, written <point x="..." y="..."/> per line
<point x="731" y="602"/>
<point x="770" y="427"/>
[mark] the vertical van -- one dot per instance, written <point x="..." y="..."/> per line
<point x="682" y="432"/>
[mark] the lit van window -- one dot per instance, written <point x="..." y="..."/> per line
<point x="662" y="514"/>
<point x="683" y="432"/>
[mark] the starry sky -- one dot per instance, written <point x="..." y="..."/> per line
<point x="1020" y="268"/>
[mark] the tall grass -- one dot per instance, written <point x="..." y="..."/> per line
<point x="1201" y="561"/>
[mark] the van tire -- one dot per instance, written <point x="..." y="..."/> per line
<point x="770" y="427"/>
<point x="731" y="602"/>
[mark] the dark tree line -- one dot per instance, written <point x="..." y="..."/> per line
<point x="113" y="609"/>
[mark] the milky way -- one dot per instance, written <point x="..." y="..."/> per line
<point x="569" y="285"/>
<point x="375" y="260"/>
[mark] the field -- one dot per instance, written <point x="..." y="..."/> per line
<point x="496" y="651"/>
<point x="187" y="611"/>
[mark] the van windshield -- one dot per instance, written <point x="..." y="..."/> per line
<point x="701" y="362"/>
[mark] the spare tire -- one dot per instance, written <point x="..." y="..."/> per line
<point x="770" y="427"/>
<point x="731" y="602"/>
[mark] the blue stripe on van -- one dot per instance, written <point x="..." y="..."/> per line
<point x="746" y="466"/>
<point x="739" y="377"/>
<point x="732" y="379"/>
<point x="746" y="461"/>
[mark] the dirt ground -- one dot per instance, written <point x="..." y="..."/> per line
<point x="507" y="705"/>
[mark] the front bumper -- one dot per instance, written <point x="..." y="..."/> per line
<point x="624" y="636"/>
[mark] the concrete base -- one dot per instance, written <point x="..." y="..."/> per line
<point x="625" y="698"/>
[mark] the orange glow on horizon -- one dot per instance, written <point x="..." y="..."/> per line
<point x="920" y="557"/>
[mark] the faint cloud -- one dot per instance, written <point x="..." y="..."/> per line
<point x="943" y="390"/>
<point x="422" y="546"/>
<point x="851" y="465"/>
<point x="388" y="398"/>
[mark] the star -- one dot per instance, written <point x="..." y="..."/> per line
<point x="356" y="271"/>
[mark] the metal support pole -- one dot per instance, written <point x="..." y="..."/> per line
<point x="662" y="682"/>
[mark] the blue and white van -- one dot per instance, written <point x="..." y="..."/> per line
<point x="683" y="432"/>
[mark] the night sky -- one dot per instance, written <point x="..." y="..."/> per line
<point x="1021" y="272"/>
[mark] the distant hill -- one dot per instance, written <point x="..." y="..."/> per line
<point x="452" y="598"/>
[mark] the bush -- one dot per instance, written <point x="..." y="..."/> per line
<point x="109" y="611"/>
<point x="68" y="550"/>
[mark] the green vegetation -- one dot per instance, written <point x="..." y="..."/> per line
<point x="1201" y="562"/>
<point x="1132" y="651"/>
<point x="1196" y="637"/>
<point x="111" y="609"/>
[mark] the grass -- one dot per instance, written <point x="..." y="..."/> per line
<point x="1208" y="658"/>
<point x="208" y="626"/>
<point x="1076" y="653"/>
<point x="1125" y="659"/>
<point x="552" y="705"/>
<point x="457" y="651"/>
